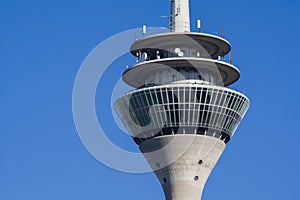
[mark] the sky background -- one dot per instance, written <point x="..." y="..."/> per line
<point x="43" y="44"/>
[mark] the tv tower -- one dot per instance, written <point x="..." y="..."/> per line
<point x="181" y="113"/>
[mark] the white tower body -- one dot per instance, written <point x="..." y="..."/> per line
<point x="180" y="16"/>
<point x="181" y="113"/>
<point x="185" y="178"/>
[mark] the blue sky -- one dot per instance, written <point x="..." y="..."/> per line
<point x="43" y="44"/>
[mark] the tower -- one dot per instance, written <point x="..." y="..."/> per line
<point x="181" y="113"/>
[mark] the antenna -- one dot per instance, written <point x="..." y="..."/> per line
<point x="222" y="31"/>
<point x="180" y="16"/>
<point x="144" y="30"/>
<point x="157" y="54"/>
<point x="144" y="56"/>
<point x="169" y="20"/>
<point x="199" y="25"/>
<point x="177" y="50"/>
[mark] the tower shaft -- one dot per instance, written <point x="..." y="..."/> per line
<point x="185" y="178"/>
<point x="180" y="16"/>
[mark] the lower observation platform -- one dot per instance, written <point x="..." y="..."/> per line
<point x="223" y="73"/>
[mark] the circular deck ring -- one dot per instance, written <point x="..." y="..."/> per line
<point x="135" y="76"/>
<point x="213" y="45"/>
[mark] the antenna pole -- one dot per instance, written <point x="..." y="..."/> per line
<point x="199" y="25"/>
<point x="180" y="16"/>
<point x="222" y="31"/>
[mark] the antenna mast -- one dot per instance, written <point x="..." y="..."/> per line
<point x="180" y="16"/>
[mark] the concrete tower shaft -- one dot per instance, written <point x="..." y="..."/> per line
<point x="185" y="178"/>
<point x="180" y="16"/>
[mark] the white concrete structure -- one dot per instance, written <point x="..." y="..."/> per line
<point x="180" y="16"/>
<point x="185" y="178"/>
<point x="181" y="114"/>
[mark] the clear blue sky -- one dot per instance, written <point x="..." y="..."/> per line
<point x="43" y="44"/>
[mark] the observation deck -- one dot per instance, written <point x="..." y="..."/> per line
<point x="180" y="79"/>
<point x="205" y="45"/>
<point x="166" y="70"/>
<point x="182" y="108"/>
<point x="175" y="56"/>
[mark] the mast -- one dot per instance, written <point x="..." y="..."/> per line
<point x="180" y="16"/>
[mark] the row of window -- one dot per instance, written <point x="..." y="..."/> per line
<point x="145" y="121"/>
<point x="190" y="95"/>
<point x="177" y="74"/>
<point x="158" y="107"/>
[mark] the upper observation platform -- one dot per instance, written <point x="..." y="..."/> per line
<point x="170" y="44"/>
<point x="168" y="70"/>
